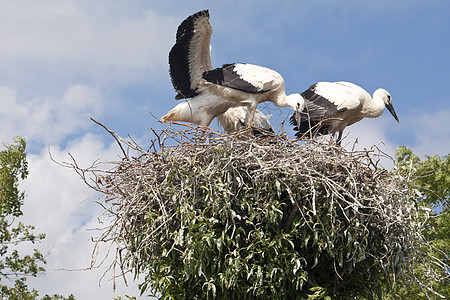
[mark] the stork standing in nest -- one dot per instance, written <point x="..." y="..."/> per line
<point x="213" y="91"/>
<point x="332" y="106"/>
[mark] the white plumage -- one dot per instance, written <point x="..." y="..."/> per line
<point x="214" y="91"/>
<point x="235" y="119"/>
<point x="332" y="106"/>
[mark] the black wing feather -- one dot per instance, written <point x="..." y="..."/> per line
<point x="227" y="76"/>
<point x="317" y="106"/>
<point x="179" y="56"/>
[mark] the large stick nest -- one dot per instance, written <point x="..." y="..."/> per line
<point x="213" y="215"/>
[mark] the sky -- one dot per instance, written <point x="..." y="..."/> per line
<point x="62" y="62"/>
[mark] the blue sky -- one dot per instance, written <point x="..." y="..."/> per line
<point x="62" y="62"/>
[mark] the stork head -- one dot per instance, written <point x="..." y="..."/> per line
<point x="296" y="102"/>
<point x="387" y="99"/>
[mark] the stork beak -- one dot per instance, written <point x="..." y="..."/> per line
<point x="392" y="111"/>
<point x="297" y="119"/>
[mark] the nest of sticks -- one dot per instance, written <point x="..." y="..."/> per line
<point x="219" y="215"/>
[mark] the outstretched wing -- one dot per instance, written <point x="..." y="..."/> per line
<point x="190" y="57"/>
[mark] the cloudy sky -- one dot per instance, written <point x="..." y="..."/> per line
<point x="62" y="62"/>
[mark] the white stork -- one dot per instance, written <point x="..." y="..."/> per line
<point x="214" y="91"/>
<point x="235" y="119"/>
<point x="332" y="106"/>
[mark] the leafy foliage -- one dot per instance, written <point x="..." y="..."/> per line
<point x="13" y="167"/>
<point x="13" y="265"/>
<point x="432" y="183"/>
<point x="432" y="176"/>
<point x="225" y="218"/>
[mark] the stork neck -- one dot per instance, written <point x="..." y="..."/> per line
<point x="282" y="100"/>
<point x="374" y="108"/>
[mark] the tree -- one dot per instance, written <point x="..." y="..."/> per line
<point x="432" y="181"/>
<point x="14" y="265"/>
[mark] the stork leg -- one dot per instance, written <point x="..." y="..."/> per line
<point x="339" y="139"/>
<point x="251" y="116"/>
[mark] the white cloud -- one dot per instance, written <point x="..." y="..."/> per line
<point x="48" y="119"/>
<point x="431" y="132"/>
<point x="74" y="38"/>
